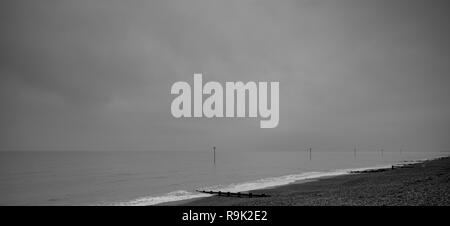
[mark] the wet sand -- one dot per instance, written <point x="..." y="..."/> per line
<point x="425" y="183"/>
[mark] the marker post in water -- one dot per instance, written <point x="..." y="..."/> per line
<point x="214" y="155"/>
<point x="310" y="150"/>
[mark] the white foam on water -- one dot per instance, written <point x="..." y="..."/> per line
<point x="169" y="197"/>
<point x="251" y="185"/>
<point x="284" y="180"/>
<point x="272" y="181"/>
<point x="238" y="187"/>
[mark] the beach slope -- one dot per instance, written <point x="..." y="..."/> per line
<point x="425" y="183"/>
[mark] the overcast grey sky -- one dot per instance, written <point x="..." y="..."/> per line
<point x="96" y="75"/>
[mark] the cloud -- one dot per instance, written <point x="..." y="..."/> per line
<point x="97" y="75"/>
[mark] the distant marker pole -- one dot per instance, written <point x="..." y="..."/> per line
<point x="214" y="152"/>
<point x="310" y="149"/>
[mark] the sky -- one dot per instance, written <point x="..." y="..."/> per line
<point x="96" y="75"/>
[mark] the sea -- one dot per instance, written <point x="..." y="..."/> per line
<point x="134" y="178"/>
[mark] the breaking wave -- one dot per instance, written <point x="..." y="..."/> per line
<point x="239" y="187"/>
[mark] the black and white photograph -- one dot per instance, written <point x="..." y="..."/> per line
<point x="249" y="103"/>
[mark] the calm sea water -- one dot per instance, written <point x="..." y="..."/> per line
<point x="145" y="178"/>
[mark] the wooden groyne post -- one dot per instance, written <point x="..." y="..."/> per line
<point x="234" y="194"/>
